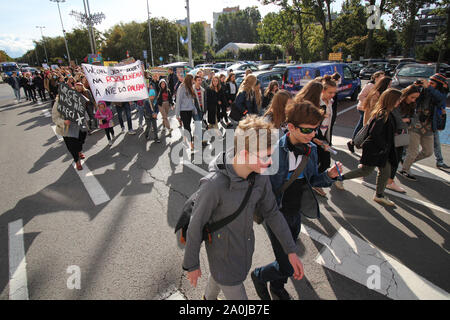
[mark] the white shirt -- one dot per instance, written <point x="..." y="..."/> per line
<point x="232" y="88"/>
<point x="326" y="123"/>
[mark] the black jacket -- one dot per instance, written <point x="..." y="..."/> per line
<point x="379" y="147"/>
<point x="212" y="103"/>
<point x="159" y="99"/>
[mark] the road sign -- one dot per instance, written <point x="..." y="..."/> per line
<point x="335" y="56"/>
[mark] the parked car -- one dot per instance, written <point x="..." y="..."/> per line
<point x="204" y="65"/>
<point x="297" y="76"/>
<point x="355" y="67"/>
<point x="206" y="71"/>
<point x="368" y="71"/>
<point x="223" y="65"/>
<point x="395" y="62"/>
<point x="401" y="65"/>
<point x="412" y="72"/>
<point x="444" y="69"/>
<point x="264" y="78"/>
<point x="283" y="66"/>
<point x="265" y="67"/>
<point x="242" y="67"/>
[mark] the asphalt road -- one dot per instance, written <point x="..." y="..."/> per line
<point x="120" y="238"/>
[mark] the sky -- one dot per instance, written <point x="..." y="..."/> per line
<point x="18" y="22"/>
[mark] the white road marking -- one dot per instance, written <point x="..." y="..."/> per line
<point x="93" y="187"/>
<point x="351" y="256"/>
<point x="403" y="196"/>
<point x="18" y="288"/>
<point x="60" y="138"/>
<point x="46" y="113"/>
<point x="348" y="109"/>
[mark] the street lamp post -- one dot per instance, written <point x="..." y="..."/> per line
<point x="150" y="33"/>
<point x="189" y="35"/>
<point x="64" y="31"/>
<point x="89" y="20"/>
<point x="43" y="41"/>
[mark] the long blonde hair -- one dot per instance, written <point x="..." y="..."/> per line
<point x="386" y="103"/>
<point x="247" y="85"/>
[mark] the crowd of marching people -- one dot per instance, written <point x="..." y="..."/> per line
<point x="394" y="127"/>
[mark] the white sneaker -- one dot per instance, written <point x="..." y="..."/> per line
<point x="339" y="184"/>
<point x="110" y="142"/>
<point x="131" y="132"/>
<point x="384" y="201"/>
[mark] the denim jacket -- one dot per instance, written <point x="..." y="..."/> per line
<point x="310" y="206"/>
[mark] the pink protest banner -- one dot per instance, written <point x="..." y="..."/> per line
<point x="118" y="83"/>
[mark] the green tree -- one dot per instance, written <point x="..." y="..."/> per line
<point x="238" y="26"/>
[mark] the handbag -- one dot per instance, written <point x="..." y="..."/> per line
<point x="402" y="139"/>
<point x="441" y="121"/>
<point x="361" y="136"/>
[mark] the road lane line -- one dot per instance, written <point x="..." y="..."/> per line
<point x="345" y="110"/>
<point x="93" y="187"/>
<point x="354" y="258"/>
<point x="18" y="287"/>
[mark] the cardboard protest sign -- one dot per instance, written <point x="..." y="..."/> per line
<point x="71" y="105"/>
<point x="118" y="83"/>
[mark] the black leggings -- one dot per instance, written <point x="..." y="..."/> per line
<point x="109" y="132"/>
<point x="324" y="159"/>
<point x="399" y="152"/>
<point x="186" y="118"/>
<point x="75" y="145"/>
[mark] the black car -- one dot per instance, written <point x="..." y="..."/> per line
<point x="409" y="73"/>
<point x="355" y="67"/>
<point x="368" y="71"/>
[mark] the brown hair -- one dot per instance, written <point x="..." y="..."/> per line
<point x="336" y="76"/>
<point x="188" y="85"/>
<point x="303" y="112"/>
<point x="386" y="103"/>
<point x="376" y="75"/>
<point x="277" y="107"/>
<point x="252" y="128"/>
<point x="379" y="88"/>
<point x="327" y="82"/>
<point x="229" y="77"/>
<point x="211" y="86"/>
<point x="405" y="108"/>
<point x="247" y="85"/>
<point x="270" y="87"/>
<point x="310" y="92"/>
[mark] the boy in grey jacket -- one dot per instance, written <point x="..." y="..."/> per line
<point x="221" y="193"/>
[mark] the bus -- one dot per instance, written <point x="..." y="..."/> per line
<point x="7" y="68"/>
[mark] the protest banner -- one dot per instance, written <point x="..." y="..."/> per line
<point x="159" y="71"/>
<point x="71" y="104"/>
<point x="118" y="83"/>
<point x="95" y="58"/>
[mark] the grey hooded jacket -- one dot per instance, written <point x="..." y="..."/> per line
<point x="220" y="195"/>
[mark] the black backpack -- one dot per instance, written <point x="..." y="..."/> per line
<point x="186" y="214"/>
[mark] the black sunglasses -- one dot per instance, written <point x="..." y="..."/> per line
<point x="306" y="130"/>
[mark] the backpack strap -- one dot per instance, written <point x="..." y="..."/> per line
<point x="294" y="176"/>
<point x="209" y="228"/>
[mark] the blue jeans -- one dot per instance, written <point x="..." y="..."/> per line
<point x="359" y="125"/>
<point x="127" y="109"/>
<point x="437" y="149"/>
<point x="280" y="270"/>
<point x="17" y="93"/>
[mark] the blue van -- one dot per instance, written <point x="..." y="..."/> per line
<point x="297" y="76"/>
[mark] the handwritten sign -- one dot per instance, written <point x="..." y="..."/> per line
<point x="71" y="105"/>
<point x="118" y="83"/>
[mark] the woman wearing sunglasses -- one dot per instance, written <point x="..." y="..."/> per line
<point x="378" y="150"/>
